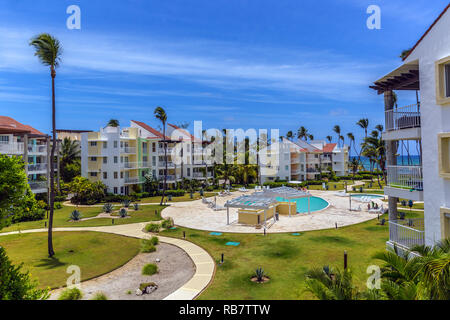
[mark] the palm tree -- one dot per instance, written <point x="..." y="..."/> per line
<point x="351" y="138"/>
<point x="48" y="50"/>
<point x="329" y="138"/>
<point x="364" y="124"/>
<point x="311" y="137"/>
<point x="405" y="53"/>
<point x="161" y="115"/>
<point x="302" y="133"/>
<point x="337" y="130"/>
<point x="70" y="151"/>
<point x="113" y="123"/>
<point x="373" y="147"/>
<point x="354" y="165"/>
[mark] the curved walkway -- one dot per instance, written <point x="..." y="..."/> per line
<point x="204" y="264"/>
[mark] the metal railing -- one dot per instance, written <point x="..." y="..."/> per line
<point x="38" y="148"/>
<point x="169" y="178"/>
<point x="132" y="180"/>
<point x="169" y="164"/>
<point x="130" y="165"/>
<point x="37" y="167"/>
<point x="36" y="185"/>
<point x="408" y="232"/>
<point x="403" y="117"/>
<point x="408" y="177"/>
<point x="128" y="149"/>
<point x="11" y="148"/>
<point x="161" y="151"/>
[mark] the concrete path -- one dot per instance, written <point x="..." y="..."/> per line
<point x="204" y="263"/>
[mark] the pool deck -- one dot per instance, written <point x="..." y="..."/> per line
<point x="196" y="215"/>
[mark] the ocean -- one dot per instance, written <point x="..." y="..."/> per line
<point x="401" y="160"/>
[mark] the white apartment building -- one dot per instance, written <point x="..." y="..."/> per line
<point x="17" y="139"/>
<point x="426" y="74"/>
<point x="121" y="158"/>
<point x="300" y="161"/>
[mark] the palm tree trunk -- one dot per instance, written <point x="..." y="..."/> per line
<point x="165" y="172"/>
<point x="51" y="252"/>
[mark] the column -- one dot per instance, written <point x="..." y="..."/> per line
<point x="391" y="150"/>
<point x="25" y="153"/>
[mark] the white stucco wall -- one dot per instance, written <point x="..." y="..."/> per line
<point x="434" y="119"/>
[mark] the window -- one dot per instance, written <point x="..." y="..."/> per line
<point x="93" y="143"/>
<point x="445" y="223"/>
<point x="4" y="139"/>
<point x="153" y="147"/>
<point x="93" y="174"/>
<point x="105" y="160"/>
<point x="188" y="172"/>
<point x="144" y="147"/>
<point x="105" y="175"/>
<point x="121" y="174"/>
<point x="115" y="175"/>
<point x="444" y="154"/>
<point x="116" y="144"/>
<point x="286" y="168"/>
<point x="443" y="81"/>
<point x="105" y="145"/>
<point x="115" y="190"/>
<point x="116" y="159"/>
<point x="121" y="190"/>
<point x="93" y="158"/>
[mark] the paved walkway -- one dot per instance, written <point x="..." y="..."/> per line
<point x="204" y="264"/>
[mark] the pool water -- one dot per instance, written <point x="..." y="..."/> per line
<point x="368" y="196"/>
<point x="302" y="204"/>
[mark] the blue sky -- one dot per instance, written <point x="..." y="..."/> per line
<point x="232" y="64"/>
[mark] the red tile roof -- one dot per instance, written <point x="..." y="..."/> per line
<point x="329" y="147"/>
<point x="9" y="125"/>
<point x="428" y="30"/>
<point x="150" y="129"/>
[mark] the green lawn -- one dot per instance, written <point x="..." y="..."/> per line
<point x="339" y="186"/>
<point x="285" y="258"/>
<point x="94" y="252"/>
<point x="61" y="218"/>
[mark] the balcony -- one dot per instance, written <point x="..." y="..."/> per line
<point x="169" y="178"/>
<point x="130" y="165"/>
<point x="11" y="148"/>
<point x="37" y="148"/>
<point x="161" y="151"/>
<point x="169" y="164"/>
<point x="131" y="150"/>
<point x="406" y="119"/>
<point x="131" y="180"/>
<point x="405" y="182"/>
<point x="407" y="233"/>
<point x="38" y="186"/>
<point x="38" y="167"/>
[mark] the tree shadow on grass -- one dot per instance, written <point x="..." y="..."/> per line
<point x="333" y="239"/>
<point x="50" y="263"/>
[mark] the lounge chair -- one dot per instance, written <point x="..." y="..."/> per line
<point x="218" y="208"/>
<point x="242" y="189"/>
<point x="379" y="210"/>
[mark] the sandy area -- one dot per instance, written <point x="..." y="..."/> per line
<point x="175" y="269"/>
<point x="197" y="215"/>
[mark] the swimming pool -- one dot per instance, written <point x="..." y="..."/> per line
<point x="368" y="196"/>
<point x="302" y="204"/>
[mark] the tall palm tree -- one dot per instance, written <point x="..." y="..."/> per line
<point x="405" y="53"/>
<point x="329" y="138"/>
<point x="351" y="139"/>
<point x="161" y="115"/>
<point x="113" y="123"/>
<point x="48" y="50"/>
<point x="337" y="130"/>
<point x="364" y="124"/>
<point x="302" y="133"/>
<point x="311" y="137"/>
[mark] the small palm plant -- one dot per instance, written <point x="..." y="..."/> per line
<point x="123" y="213"/>
<point x="260" y="274"/>
<point x="126" y="203"/>
<point x="75" y="215"/>
<point x="136" y="206"/>
<point x="108" y="207"/>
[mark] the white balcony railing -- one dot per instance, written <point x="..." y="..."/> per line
<point x="128" y="150"/>
<point x="403" y="117"/>
<point x="161" y="151"/>
<point x="406" y="177"/>
<point x="169" y="178"/>
<point x="37" y="167"/>
<point x="130" y="165"/>
<point x="144" y="164"/>
<point x="37" y="148"/>
<point x="169" y="164"/>
<point x="37" y="185"/>
<point x="131" y="180"/>
<point x="11" y="148"/>
<point x="408" y="232"/>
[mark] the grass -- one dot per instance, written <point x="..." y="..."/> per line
<point x="339" y="186"/>
<point x="61" y="218"/>
<point x="94" y="252"/>
<point x="286" y="258"/>
<point x="71" y="294"/>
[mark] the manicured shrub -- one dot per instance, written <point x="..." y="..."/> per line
<point x="147" y="246"/>
<point x="154" y="240"/>
<point x="100" y="296"/>
<point x="126" y="203"/>
<point x="57" y="205"/>
<point x="149" y="269"/>
<point x="136" y="206"/>
<point x="108" y="208"/>
<point x="123" y="213"/>
<point x="153" y="227"/>
<point x="71" y="294"/>
<point x="75" y="215"/>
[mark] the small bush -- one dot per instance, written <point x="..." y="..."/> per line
<point x="71" y="294"/>
<point x="126" y="203"/>
<point x="153" y="227"/>
<point x="123" y="213"/>
<point x="149" y="269"/>
<point x="75" y="215"/>
<point x="147" y="246"/>
<point x="154" y="240"/>
<point x="100" y="296"/>
<point x="136" y="206"/>
<point x="57" y="205"/>
<point x="167" y="223"/>
<point x="108" y="208"/>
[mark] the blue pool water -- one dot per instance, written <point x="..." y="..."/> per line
<point x="302" y="204"/>
<point x="369" y="196"/>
